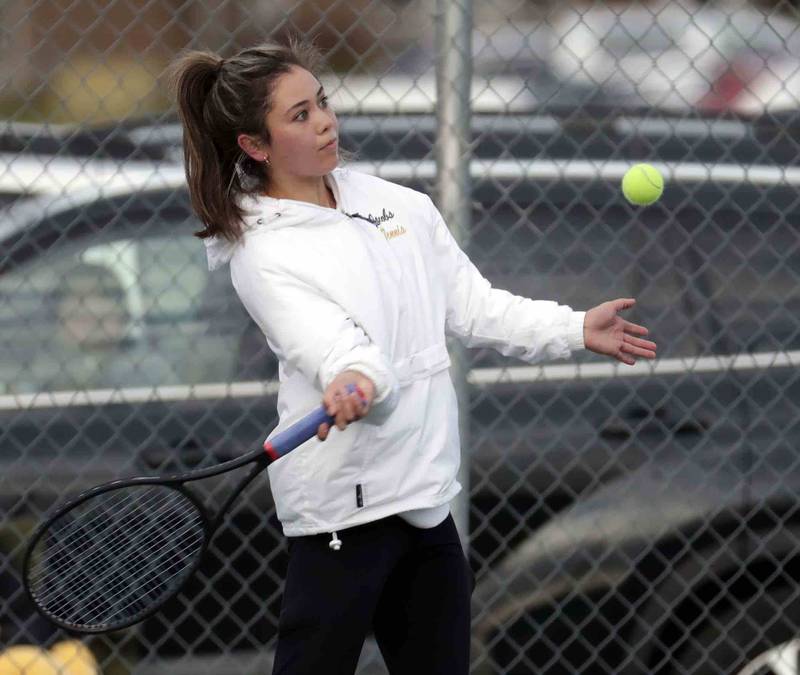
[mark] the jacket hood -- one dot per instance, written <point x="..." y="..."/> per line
<point x="267" y="213"/>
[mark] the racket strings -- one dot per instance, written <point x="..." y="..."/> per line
<point x="74" y="535"/>
<point x="104" y="553"/>
<point x="116" y="555"/>
<point x="135" y="604"/>
<point x="133" y="557"/>
<point x="99" y="547"/>
<point x="103" y="572"/>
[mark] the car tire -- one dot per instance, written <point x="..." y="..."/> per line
<point x="749" y="638"/>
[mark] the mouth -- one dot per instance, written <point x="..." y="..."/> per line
<point x="330" y="144"/>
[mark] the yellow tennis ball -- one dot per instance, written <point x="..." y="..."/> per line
<point x="642" y="184"/>
<point x="73" y="658"/>
<point x="26" y="660"/>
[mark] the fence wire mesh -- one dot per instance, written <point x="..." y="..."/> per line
<point x="620" y="520"/>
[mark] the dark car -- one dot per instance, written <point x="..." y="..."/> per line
<point x="592" y="130"/>
<point x="122" y="355"/>
<point x="667" y="540"/>
<point x="111" y="367"/>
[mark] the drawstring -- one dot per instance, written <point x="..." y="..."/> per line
<point x="335" y="543"/>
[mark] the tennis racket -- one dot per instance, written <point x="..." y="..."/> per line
<point x="119" y="551"/>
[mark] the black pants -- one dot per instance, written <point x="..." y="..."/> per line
<point x="410" y="586"/>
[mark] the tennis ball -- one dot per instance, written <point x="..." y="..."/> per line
<point x="73" y="658"/>
<point x="26" y="660"/>
<point x="642" y="184"/>
<point x="68" y="657"/>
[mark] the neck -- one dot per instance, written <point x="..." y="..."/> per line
<point x="311" y="190"/>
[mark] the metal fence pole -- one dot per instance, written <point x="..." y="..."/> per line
<point x="453" y="79"/>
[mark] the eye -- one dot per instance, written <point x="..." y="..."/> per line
<point x="302" y="115"/>
<point x="323" y="102"/>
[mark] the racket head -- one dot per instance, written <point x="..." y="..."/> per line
<point x="115" y="554"/>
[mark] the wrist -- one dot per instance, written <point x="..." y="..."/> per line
<point x="576" y="331"/>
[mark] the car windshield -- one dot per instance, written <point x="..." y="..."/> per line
<point x="123" y="312"/>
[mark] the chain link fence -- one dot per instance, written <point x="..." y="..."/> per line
<point x="618" y="520"/>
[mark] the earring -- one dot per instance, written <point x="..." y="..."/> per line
<point x="266" y="161"/>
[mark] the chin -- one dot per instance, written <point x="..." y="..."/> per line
<point x="318" y="169"/>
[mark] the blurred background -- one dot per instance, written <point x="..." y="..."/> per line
<point x="90" y="62"/>
<point x="618" y="520"/>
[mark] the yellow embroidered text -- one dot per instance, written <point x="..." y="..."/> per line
<point x="394" y="232"/>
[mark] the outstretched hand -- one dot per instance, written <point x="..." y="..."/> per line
<point x="605" y="332"/>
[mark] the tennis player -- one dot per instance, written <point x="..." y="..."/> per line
<point x="356" y="281"/>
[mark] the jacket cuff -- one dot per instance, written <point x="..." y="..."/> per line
<point x="575" y="331"/>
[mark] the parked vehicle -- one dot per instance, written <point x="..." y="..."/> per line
<point x="36" y="160"/>
<point x="678" y="550"/>
<point x="599" y="495"/>
<point x="679" y="56"/>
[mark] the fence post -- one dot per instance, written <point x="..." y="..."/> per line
<point x="453" y="80"/>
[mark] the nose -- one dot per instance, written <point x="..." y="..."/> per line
<point x="325" y="121"/>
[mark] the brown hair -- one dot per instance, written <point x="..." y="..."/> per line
<point x="218" y="99"/>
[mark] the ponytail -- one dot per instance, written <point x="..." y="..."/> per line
<point x="217" y="100"/>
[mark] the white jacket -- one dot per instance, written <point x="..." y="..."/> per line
<point x="333" y="292"/>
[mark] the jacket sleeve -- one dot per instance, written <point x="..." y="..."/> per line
<point x="309" y="332"/>
<point x="482" y="316"/>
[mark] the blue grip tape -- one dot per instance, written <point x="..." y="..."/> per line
<point x="297" y="434"/>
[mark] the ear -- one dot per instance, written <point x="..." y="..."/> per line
<point x="253" y="147"/>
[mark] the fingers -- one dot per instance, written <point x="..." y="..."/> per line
<point x="351" y="407"/>
<point x="606" y="333"/>
<point x="637" y="351"/>
<point x="633" y="347"/>
<point x="647" y="348"/>
<point x="624" y="358"/>
<point x="621" y="304"/>
<point x="637" y="346"/>
<point x="345" y="407"/>
<point x="635" y="328"/>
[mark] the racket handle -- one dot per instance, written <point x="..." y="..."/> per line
<point x="297" y="434"/>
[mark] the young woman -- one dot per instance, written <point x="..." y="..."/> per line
<point x="356" y="281"/>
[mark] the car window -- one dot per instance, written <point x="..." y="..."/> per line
<point x="126" y="312"/>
